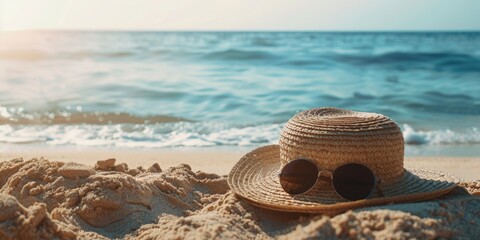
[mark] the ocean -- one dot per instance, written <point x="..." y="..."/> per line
<point x="234" y="89"/>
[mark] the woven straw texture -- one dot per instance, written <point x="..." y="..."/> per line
<point x="333" y="137"/>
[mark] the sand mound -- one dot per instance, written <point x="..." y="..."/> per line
<point x="45" y="199"/>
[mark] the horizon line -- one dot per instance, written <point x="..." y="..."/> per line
<point x="240" y="30"/>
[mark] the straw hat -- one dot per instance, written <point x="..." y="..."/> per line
<point x="333" y="137"/>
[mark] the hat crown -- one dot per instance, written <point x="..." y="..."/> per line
<point x="332" y="137"/>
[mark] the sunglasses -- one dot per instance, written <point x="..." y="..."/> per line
<point x="351" y="181"/>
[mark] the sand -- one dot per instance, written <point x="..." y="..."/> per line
<point x="214" y="161"/>
<point x="109" y="198"/>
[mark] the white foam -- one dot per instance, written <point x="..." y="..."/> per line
<point x="181" y="134"/>
<point x="188" y="134"/>
<point x="446" y="136"/>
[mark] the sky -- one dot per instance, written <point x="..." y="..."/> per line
<point x="328" y="15"/>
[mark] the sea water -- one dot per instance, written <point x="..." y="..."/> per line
<point x="214" y="89"/>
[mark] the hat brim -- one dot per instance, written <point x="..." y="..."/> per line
<point x="255" y="179"/>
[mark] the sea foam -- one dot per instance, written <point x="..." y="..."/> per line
<point x="443" y="136"/>
<point x="188" y="134"/>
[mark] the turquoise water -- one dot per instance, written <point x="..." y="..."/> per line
<point x="199" y="89"/>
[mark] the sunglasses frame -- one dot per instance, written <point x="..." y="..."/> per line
<point x="329" y="178"/>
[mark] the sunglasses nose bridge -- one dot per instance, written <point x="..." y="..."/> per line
<point x="325" y="175"/>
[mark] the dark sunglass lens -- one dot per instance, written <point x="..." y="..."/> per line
<point x="353" y="181"/>
<point x="298" y="176"/>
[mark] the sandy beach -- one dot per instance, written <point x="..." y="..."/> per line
<point x="219" y="162"/>
<point x="239" y="120"/>
<point x="155" y="194"/>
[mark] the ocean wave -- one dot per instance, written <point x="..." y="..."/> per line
<point x="439" y="61"/>
<point x="37" y="55"/>
<point x="240" y="55"/>
<point x="78" y="117"/>
<point x="425" y="79"/>
<point x="93" y="54"/>
<point x="436" y="137"/>
<point x="190" y="134"/>
<point x="431" y="101"/>
<point x="182" y="134"/>
<point x="181" y="54"/>
<point x="402" y="57"/>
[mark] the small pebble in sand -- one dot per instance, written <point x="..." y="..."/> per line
<point x="74" y="170"/>
<point x="122" y="167"/>
<point x="105" y="164"/>
<point x="134" y="172"/>
<point x="154" y="168"/>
